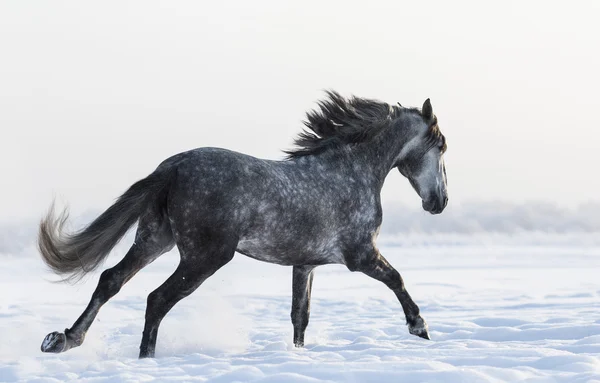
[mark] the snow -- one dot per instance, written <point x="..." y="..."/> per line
<point x="500" y="308"/>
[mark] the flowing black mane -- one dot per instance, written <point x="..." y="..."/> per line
<point x="342" y="120"/>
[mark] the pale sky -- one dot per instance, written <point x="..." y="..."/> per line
<point x="93" y="96"/>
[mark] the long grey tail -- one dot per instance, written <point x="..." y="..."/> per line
<point x="72" y="255"/>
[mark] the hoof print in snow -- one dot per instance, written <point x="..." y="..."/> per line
<point x="54" y="342"/>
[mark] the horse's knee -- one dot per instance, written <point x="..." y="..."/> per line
<point x="394" y="281"/>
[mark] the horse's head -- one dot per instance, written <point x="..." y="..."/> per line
<point x="421" y="160"/>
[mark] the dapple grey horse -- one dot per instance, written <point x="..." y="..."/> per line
<point x="321" y="205"/>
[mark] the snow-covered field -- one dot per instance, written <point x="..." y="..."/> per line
<point x="500" y="309"/>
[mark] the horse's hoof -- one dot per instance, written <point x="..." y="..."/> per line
<point x="299" y="344"/>
<point x="146" y="352"/>
<point x="423" y="334"/>
<point x="146" y="355"/>
<point x="54" y="342"/>
<point x="419" y="328"/>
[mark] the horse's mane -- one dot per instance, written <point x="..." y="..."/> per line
<point x="342" y="120"/>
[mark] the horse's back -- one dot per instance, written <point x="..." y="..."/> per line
<point x="219" y="188"/>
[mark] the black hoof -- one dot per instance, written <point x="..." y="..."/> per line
<point x="54" y="342"/>
<point x="423" y="334"/>
<point x="299" y="344"/>
<point x="146" y="354"/>
<point x="419" y="328"/>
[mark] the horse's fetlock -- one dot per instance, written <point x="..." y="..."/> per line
<point x="74" y="339"/>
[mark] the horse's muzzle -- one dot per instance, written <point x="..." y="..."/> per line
<point x="435" y="205"/>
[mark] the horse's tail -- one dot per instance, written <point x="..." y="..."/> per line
<point x="74" y="255"/>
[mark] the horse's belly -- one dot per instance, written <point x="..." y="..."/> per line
<point x="289" y="254"/>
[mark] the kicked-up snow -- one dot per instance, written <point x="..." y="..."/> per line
<point x="499" y="309"/>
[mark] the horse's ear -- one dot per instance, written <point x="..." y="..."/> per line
<point x="427" y="110"/>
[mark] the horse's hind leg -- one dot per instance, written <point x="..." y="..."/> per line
<point x="301" y="287"/>
<point x="152" y="240"/>
<point x="201" y="257"/>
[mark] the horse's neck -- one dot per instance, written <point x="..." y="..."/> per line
<point x="379" y="155"/>
<point x="367" y="161"/>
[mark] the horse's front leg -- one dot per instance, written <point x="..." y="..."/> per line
<point x="373" y="264"/>
<point x="301" y="287"/>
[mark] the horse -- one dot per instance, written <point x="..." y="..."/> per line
<point x="319" y="205"/>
